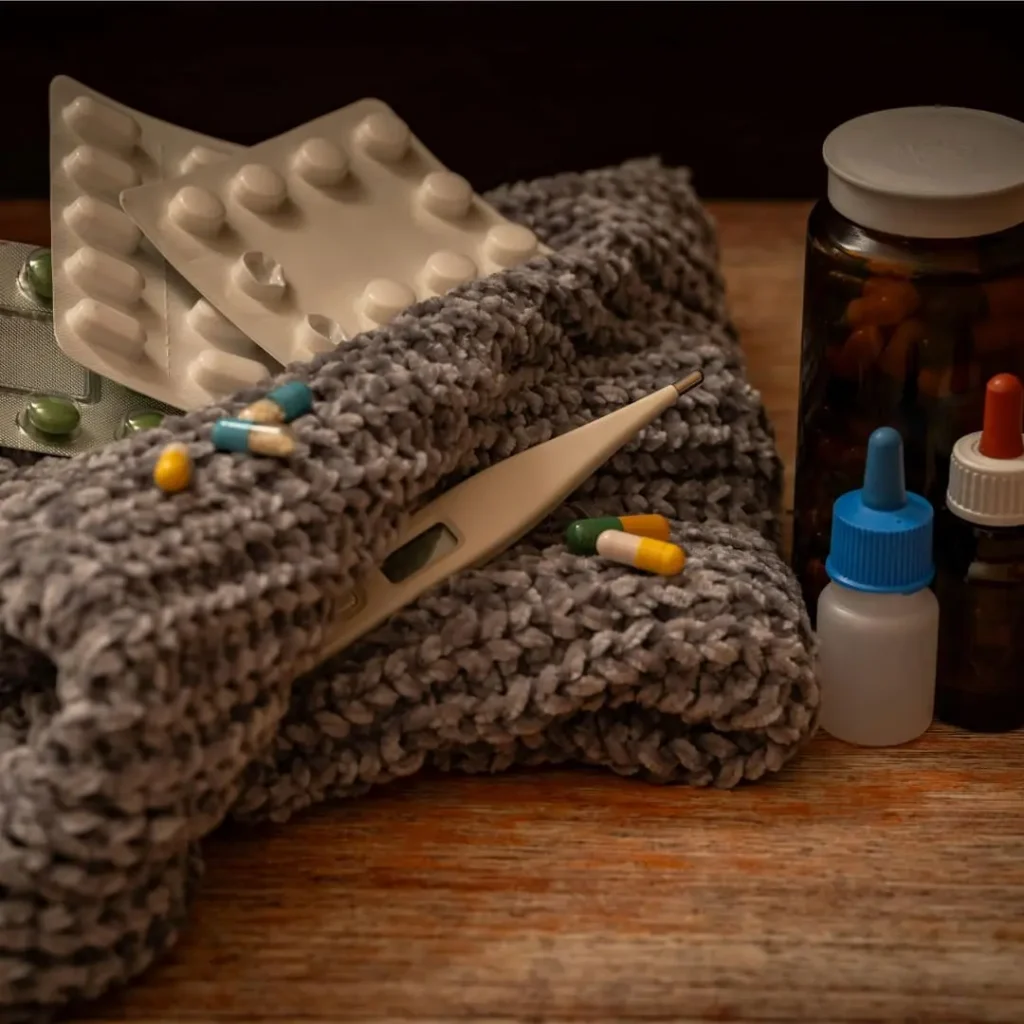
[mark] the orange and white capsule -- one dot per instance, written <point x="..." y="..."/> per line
<point x="644" y="553"/>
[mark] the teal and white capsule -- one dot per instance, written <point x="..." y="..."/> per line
<point x="282" y="405"/>
<point x="271" y="439"/>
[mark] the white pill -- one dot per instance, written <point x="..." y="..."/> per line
<point x="197" y="211"/>
<point x="96" y="323"/>
<point x="106" y="277"/>
<point x="220" y="373"/>
<point x="199" y="156"/>
<point x="259" y="188"/>
<point x="445" y="270"/>
<point x="95" y="171"/>
<point x="384" y="299"/>
<point x="101" y="125"/>
<point x="321" y="162"/>
<point x="446" y="195"/>
<point x="509" y="244"/>
<point x="383" y="137"/>
<point x="209" y="323"/>
<point x="316" y="334"/>
<point x="260" y="276"/>
<point x="103" y="225"/>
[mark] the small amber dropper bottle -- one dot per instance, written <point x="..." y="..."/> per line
<point x="980" y="582"/>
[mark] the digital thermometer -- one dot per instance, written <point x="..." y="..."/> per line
<point x="486" y="514"/>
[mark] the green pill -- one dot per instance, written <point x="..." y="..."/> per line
<point x="581" y="535"/>
<point x="37" y="275"/>
<point x="57" y="417"/>
<point x="145" y="420"/>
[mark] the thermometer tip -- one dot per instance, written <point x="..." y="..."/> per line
<point x="689" y="382"/>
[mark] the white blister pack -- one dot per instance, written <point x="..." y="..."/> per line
<point x="118" y="308"/>
<point x="328" y="230"/>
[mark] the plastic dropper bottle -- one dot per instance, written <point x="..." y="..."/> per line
<point x="878" y="621"/>
<point x="981" y="570"/>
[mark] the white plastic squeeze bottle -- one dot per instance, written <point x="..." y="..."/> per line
<point x="878" y="623"/>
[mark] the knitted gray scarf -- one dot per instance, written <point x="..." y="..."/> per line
<point x="159" y="653"/>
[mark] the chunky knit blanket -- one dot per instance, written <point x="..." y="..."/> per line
<point x="159" y="654"/>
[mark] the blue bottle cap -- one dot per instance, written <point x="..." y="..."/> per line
<point x="882" y="534"/>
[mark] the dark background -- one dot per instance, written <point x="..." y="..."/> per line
<point x="743" y="93"/>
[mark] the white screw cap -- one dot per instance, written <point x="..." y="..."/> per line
<point x="986" y="471"/>
<point x="928" y="172"/>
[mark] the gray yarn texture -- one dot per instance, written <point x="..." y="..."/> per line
<point x="159" y="654"/>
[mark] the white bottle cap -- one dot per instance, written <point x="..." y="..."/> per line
<point x="984" y="491"/>
<point x="986" y="471"/>
<point x="928" y="172"/>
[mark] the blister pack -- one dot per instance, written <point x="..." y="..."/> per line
<point x="328" y="230"/>
<point x="48" y="402"/>
<point x="119" y="309"/>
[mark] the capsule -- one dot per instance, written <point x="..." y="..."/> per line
<point x="886" y="301"/>
<point x="897" y="357"/>
<point x="101" y="125"/>
<point x="581" y="535"/>
<point x="644" y="553"/>
<point x="258" y="438"/>
<point x="103" y="225"/>
<point x="217" y="329"/>
<point x="173" y="470"/>
<point x="199" y="156"/>
<point x="96" y="323"/>
<point x="98" y="273"/>
<point x="282" y="405"/>
<point x="860" y="351"/>
<point x="98" y="171"/>
<point x="220" y="373"/>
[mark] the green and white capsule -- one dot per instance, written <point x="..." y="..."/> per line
<point x="282" y="405"/>
<point x="581" y="535"/>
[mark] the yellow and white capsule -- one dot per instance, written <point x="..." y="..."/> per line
<point x="173" y="470"/>
<point x="644" y="553"/>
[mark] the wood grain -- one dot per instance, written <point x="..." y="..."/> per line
<point x="857" y="886"/>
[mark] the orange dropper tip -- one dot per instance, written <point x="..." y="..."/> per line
<point x="1002" y="436"/>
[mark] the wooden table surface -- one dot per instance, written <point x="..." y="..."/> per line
<point x="856" y="886"/>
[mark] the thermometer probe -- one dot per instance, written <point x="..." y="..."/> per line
<point x="486" y="514"/>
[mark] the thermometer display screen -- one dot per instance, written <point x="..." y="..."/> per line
<point x="433" y="542"/>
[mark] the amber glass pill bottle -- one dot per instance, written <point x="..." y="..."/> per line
<point x="980" y="581"/>
<point x="913" y="299"/>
